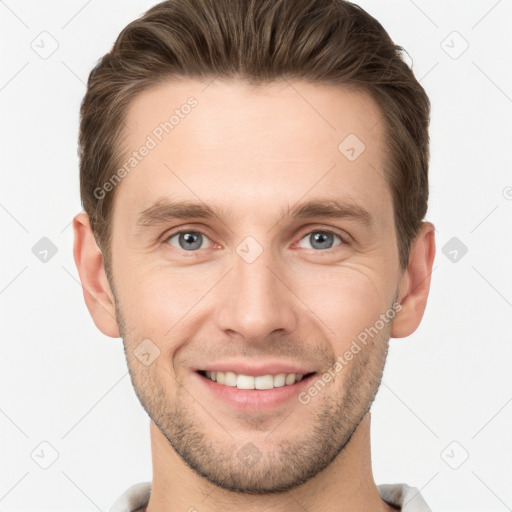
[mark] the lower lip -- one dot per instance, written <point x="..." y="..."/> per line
<point x="255" y="399"/>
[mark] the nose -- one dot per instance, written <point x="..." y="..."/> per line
<point x="256" y="300"/>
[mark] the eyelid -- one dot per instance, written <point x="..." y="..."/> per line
<point x="344" y="236"/>
<point x="184" y="229"/>
<point x="177" y="231"/>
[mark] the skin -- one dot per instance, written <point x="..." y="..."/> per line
<point x="257" y="152"/>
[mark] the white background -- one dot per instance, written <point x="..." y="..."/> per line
<point x="64" y="383"/>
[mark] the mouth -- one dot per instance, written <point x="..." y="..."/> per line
<point x="262" y="382"/>
<point x="253" y="393"/>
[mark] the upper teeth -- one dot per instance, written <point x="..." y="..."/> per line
<point x="250" y="382"/>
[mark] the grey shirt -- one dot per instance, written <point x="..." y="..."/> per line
<point x="407" y="499"/>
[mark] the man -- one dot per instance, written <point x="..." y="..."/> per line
<point x="254" y="175"/>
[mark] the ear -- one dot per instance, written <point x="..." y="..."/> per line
<point x="89" y="262"/>
<point x="415" y="283"/>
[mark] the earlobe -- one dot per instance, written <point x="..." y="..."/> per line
<point x="415" y="283"/>
<point x="96" y="289"/>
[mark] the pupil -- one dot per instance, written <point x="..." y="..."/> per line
<point x="191" y="241"/>
<point x="322" y="239"/>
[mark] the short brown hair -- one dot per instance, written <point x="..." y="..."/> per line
<point x="324" y="42"/>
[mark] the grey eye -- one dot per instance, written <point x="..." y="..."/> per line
<point x="320" y="240"/>
<point x="188" y="240"/>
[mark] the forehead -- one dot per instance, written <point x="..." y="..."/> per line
<point x="294" y="111"/>
<point x="246" y="147"/>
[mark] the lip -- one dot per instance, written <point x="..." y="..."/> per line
<point x="252" y="369"/>
<point x="251" y="400"/>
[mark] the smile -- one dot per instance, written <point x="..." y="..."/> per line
<point x="241" y="381"/>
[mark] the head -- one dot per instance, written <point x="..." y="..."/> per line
<point x="254" y="176"/>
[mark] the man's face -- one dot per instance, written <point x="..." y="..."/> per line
<point x="255" y="289"/>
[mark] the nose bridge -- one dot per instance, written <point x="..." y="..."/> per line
<point x="254" y="301"/>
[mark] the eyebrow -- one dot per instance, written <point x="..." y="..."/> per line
<point x="165" y="210"/>
<point x="332" y="209"/>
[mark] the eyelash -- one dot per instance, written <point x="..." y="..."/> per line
<point x="343" y="238"/>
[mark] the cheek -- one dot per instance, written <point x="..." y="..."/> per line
<point x="346" y="300"/>
<point x="158" y="301"/>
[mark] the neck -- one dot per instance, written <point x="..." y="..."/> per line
<point x="345" y="485"/>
